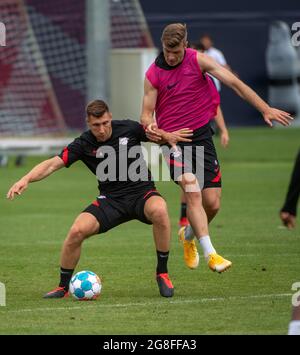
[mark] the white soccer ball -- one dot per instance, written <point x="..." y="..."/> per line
<point x="85" y="285"/>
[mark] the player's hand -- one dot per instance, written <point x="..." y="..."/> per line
<point x="282" y="117"/>
<point x="180" y="135"/>
<point x="224" y="138"/>
<point x="152" y="133"/>
<point x="288" y="219"/>
<point x="17" y="189"/>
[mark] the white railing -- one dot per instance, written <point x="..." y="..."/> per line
<point x="32" y="146"/>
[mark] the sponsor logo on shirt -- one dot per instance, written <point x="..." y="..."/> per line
<point x="123" y="141"/>
<point x="171" y="86"/>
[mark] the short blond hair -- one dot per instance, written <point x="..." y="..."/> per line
<point x="174" y="34"/>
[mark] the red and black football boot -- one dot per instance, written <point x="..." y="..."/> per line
<point x="165" y="285"/>
<point x="58" y="292"/>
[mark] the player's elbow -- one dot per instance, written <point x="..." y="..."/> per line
<point x="146" y="118"/>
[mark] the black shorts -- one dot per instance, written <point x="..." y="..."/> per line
<point x="188" y="159"/>
<point x="110" y="212"/>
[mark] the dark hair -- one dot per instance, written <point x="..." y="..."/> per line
<point x="96" y="108"/>
<point x="174" y="34"/>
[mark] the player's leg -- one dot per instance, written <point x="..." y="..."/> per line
<point x="83" y="227"/>
<point x="289" y="210"/>
<point x="155" y="210"/>
<point x="199" y="223"/>
<point x="186" y="234"/>
<point x="183" y="221"/>
<point x="211" y="192"/>
<point x="211" y="198"/>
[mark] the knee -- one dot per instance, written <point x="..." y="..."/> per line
<point x="76" y="235"/>
<point x="159" y="215"/>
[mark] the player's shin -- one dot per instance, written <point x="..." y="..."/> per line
<point x="162" y="261"/>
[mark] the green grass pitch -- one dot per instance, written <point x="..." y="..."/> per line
<point x="253" y="297"/>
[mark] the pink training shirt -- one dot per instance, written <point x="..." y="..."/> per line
<point x="186" y="97"/>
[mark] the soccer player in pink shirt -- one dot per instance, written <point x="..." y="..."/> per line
<point x="178" y="91"/>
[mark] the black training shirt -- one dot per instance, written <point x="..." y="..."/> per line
<point x="117" y="172"/>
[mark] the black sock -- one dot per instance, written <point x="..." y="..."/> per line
<point x="162" y="261"/>
<point x="183" y="210"/>
<point x="65" y="277"/>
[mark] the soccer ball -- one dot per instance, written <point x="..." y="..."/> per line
<point x="85" y="285"/>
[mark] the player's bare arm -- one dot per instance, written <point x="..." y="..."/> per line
<point x="149" y="102"/>
<point x="220" y="122"/>
<point x="172" y="138"/>
<point x="209" y="65"/>
<point x="39" y="172"/>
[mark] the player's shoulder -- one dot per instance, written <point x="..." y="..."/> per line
<point x="154" y="64"/>
<point x="190" y="51"/>
<point x="125" y="125"/>
<point x="154" y="68"/>
<point x="86" y="136"/>
<point x="86" y="139"/>
<point x="126" y="122"/>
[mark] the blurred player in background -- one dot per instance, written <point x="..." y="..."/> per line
<point x="207" y="44"/>
<point x="121" y="199"/>
<point x="288" y="215"/>
<point x="177" y="89"/>
<point x="288" y="212"/>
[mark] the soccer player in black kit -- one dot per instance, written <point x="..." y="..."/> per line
<point x="288" y="212"/>
<point x="121" y="198"/>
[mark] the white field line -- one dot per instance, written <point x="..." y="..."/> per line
<point x="140" y="304"/>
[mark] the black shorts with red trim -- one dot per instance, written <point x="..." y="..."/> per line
<point x="110" y="212"/>
<point x="187" y="160"/>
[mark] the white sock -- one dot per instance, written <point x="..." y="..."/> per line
<point x="294" y="327"/>
<point x="189" y="233"/>
<point x="207" y="246"/>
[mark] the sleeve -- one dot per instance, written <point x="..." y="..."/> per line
<point x="139" y="131"/>
<point x="71" y="153"/>
<point x="152" y="76"/>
